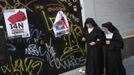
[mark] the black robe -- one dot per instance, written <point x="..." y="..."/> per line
<point x="94" y="63"/>
<point x="113" y="59"/>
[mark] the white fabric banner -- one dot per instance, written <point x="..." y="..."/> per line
<point x="16" y="22"/>
<point x="60" y="26"/>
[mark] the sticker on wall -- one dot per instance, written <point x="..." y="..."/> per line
<point x="61" y="25"/>
<point x="16" y="23"/>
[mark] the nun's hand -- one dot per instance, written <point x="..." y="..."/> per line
<point x="98" y="39"/>
<point x="92" y="43"/>
<point x="83" y="39"/>
<point x="108" y="42"/>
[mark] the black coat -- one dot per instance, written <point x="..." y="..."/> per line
<point x="113" y="58"/>
<point x="94" y="64"/>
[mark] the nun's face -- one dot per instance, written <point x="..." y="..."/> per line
<point x="89" y="25"/>
<point x="104" y="29"/>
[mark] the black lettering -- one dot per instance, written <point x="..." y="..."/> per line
<point x="20" y="25"/>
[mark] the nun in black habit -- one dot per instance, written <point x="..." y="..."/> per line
<point x="94" y="38"/>
<point x="113" y="45"/>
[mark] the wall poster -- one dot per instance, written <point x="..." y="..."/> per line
<point x="16" y="22"/>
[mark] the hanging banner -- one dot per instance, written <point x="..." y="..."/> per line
<point x="61" y="25"/>
<point x="16" y="23"/>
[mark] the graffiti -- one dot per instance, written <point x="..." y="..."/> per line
<point x="54" y="7"/>
<point x="30" y="65"/>
<point x="35" y="42"/>
<point x="30" y="2"/>
<point x="68" y="1"/>
<point x="69" y="63"/>
<point x="40" y="7"/>
<point x="16" y="4"/>
<point x="11" y="47"/>
<point x="66" y="64"/>
<point x="50" y="48"/>
<point x="34" y="50"/>
<point x="72" y="45"/>
<point x="48" y="26"/>
<point x="36" y="35"/>
<point x="41" y="46"/>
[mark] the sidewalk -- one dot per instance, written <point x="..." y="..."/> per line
<point x="128" y="63"/>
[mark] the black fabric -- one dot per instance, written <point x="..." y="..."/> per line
<point x="91" y="21"/>
<point x="94" y="64"/>
<point x="113" y="58"/>
<point x="110" y="27"/>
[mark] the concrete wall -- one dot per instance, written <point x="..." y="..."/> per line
<point x="119" y="12"/>
<point x="128" y="48"/>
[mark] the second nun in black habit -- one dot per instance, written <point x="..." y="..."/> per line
<point x="94" y="38"/>
<point x="113" y="45"/>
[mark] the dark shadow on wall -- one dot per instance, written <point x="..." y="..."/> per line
<point x="3" y="49"/>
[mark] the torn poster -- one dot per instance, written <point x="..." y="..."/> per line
<point x="61" y="25"/>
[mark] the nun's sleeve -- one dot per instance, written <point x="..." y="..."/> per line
<point x="101" y="37"/>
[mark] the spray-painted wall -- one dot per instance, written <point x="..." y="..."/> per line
<point x="42" y="53"/>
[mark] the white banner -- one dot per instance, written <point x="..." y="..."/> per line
<point x="60" y="26"/>
<point x="16" y="22"/>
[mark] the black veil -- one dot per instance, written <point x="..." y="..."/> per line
<point x="110" y="27"/>
<point x="92" y="21"/>
<point x="113" y="29"/>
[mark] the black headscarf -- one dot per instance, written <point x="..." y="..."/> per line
<point x="91" y="21"/>
<point x="110" y="27"/>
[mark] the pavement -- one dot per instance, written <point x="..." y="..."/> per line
<point x="128" y="64"/>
